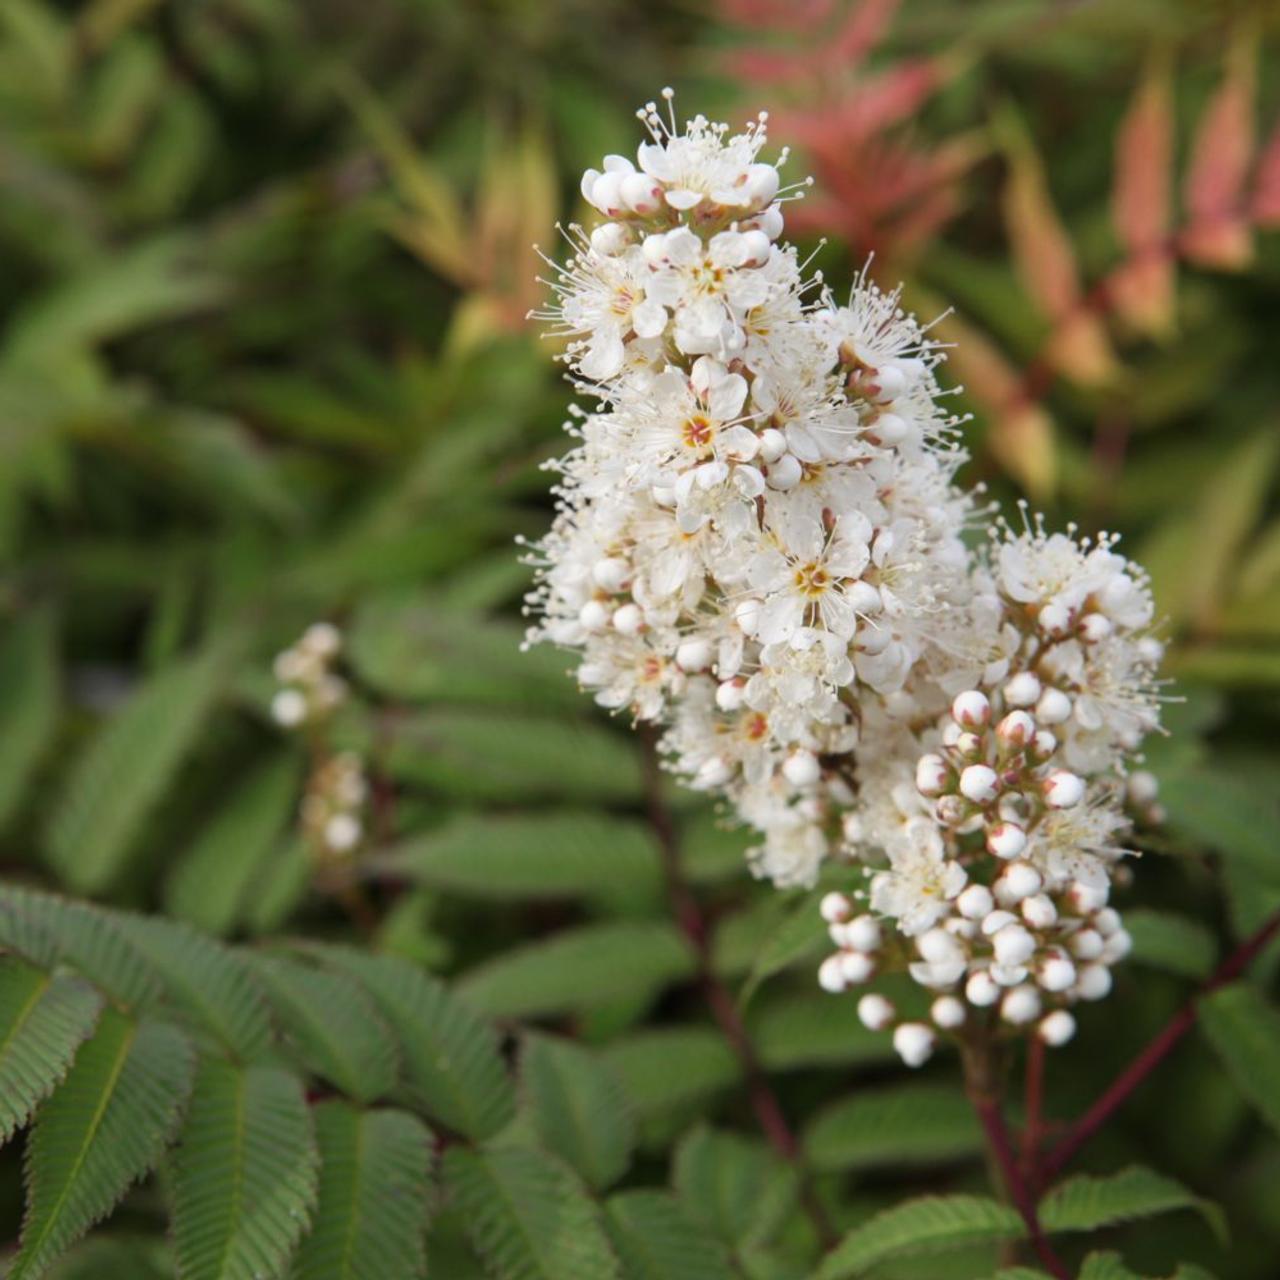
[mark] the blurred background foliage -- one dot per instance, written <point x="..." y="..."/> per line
<point x="264" y="359"/>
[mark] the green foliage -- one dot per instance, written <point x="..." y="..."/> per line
<point x="245" y="1173"/>
<point x="1174" y="943"/>
<point x="29" y="696"/>
<point x="920" y="1226"/>
<point x="1245" y="1032"/>
<point x="527" y="1215"/>
<point x="1085" y="1203"/>
<point x="45" y="1016"/>
<point x="656" y="1240"/>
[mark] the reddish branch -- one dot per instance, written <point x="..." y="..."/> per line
<point x="1117" y="1094"/>
<point x="693" y="924"/>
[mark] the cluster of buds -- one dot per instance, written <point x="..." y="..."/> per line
<point x="761" y="546"/>
<point x="333" y="806"/>
<point x="311" y="690"/>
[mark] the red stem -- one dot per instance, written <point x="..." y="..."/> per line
<point x="1117" y="1093"/>
<point x="724" y="1009"/>
<point x="1034" y="1107"/>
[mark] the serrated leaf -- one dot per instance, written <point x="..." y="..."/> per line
<point x="374" y="1198"/>
<point x="1086" y="1202"/>
<point x="334" y="1026"/>
<point x="452" y="1064"/>
<point x="1175" y="943"/>
<point x="656" y="1240"/>
<point x="209" y="984"/>
<point x="480" y="755"/>
<point x="211" y="882"/>
<point x="578" y="1108"/>
<point x="929" y="1224"/>
<point x="662" y="1068"/>
<point x="812" y="1031"/>
<point x="418" y="650"/>
<point x="124" y="768"/>
<point x="736" y="1188"/>
<point x="799" y="936"/>
<point x="50" y="930"/>
<point x="910" y="1124"/>
<point x="531" y="855"/>
<point x="116" y="1258"/>
<point x="527" y="1215"/>
<point x="579" y="968"/>
<point x="1244" y="1029"/>
<point x="1106" y="1265"/>
<point x="43" y="1020"/>
<point x="103" y="1128"/>
<point x="244" y="1175"/>
<point x="29" y="693"/>
<point x="1229" y="815"/>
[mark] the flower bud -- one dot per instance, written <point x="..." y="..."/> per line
<point x="730" y="695"/>
<point x="694" y="654"/>
<point x="611" y="573"/>
<point x="863" y="933"/>
<point x="875" y="1012"/>
<point x="785" y="473"/>
<point x="835" y="908"/>
<point x="1038" y="911"/>
<point x="1056" y="1028"/>
<point x="1054" y="707"/>
<point x="1020" y="1005"/>
<point x="1094" y="627"/>
<point x="594" y="615"/>
<point x="1013" y="944"/>
<point x="982" y="989"/>
<point x="1087" y="944"/>
<point x="1107" y="921"/>
<point x="856" y="967"/>
<point x="937" y="946"/>
<point x="996" y="920"/>
<point x="1117" y="946"/>
<point x="979" y="783"/>
<point x="1063" y="789"/>
<point x="746" y="613"/>
<point x="714" y="772"/>
<point x="932" y="775"/>
<point x="947" y="1012"/>
<point x="1006" y="840"/>
<point x="289" y="708"/>
<point x="1043" y="745"/>
<point x="971" y="709"/>
<point x="831" y="975"/>
<point x="1093" y="982"/>
<point x="975" y="902"/>
<point x="890" y="429"/>
<point x="1142" y="787"/>
<point x="343" y="832"/>
<point x="628" y="619"/>
<point x="1016" y="730"/>
<point x="801" y="769"/>
<point x="1086" y="898"/>
<point x="1023" y="690"/>
<point x="1020" y="880"/>
<point x="913" y="1042"/>
<point x="1054" y="620"/>
<point x="1056" y="972"/>
<point x="773" y="444"/>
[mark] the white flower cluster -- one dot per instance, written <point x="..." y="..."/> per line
<point x="337" y="790"/>
<point x="760" y="545"/>
<point x="311" y="689"/>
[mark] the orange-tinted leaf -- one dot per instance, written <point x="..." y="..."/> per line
<point x="1143" y="288"/>
<point x="1020" y="432"/>
<point x="1217" y="233"/>
<point x="1265" y="206"/>
<point x="1046" y="261"/>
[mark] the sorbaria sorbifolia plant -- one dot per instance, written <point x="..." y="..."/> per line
<point x="761" y="546"/>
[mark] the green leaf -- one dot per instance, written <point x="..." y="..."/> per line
<point x="580" y="968"/>
<point x="410" y="648"/>
<point x="531" y="855"/>
<point x="926" y="1225"/>
<point x="124" y="769"/>
<point x="103" y="1129"/>
<point x="334" y="1025"/>
<point x="1021" y="1273"/>
<point x="656" y="1240"/>
<point x="50" y="931"/>
<point x="527" y="1215"/>
<point x="1175" y="943"/>
<point x="1229" y="814"/>
<point x="209" y="984"/>
<point x="799" y="936"/>
<point x="452" y="1064"/>
<point x="488" y="756"/>
<point x="1244" y="1029"/>
<point x="29" y="694"/>
<point x="371" y="1213"/>
<point x="116" y="1258"/>
<point x="44" y="1018"/>
<point x="736" y="1188"/>
<point x="814" y="1031"/>
<point x="664" y="1068"/>
<point x="578" y="1108"/>
<point x="210" y="884"/>
<point x="131" y="288"/>
<point x="1106" y="1265"/>
<point x="1086" y="1202"/>
<point x="244" y="1175"/>
<point x="909" y="1124"/>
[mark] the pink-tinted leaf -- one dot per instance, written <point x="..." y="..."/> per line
<point x="1143" y="292"/>
<point x="1217" y="232"/>
<point x="1265" y="206"/>
<point x="796" y="15"/>
<point x="824" y="53"/>
<point x="863" y="30"/>
<point x="1144" y="163"/>
<point x="1046" y="263"/>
